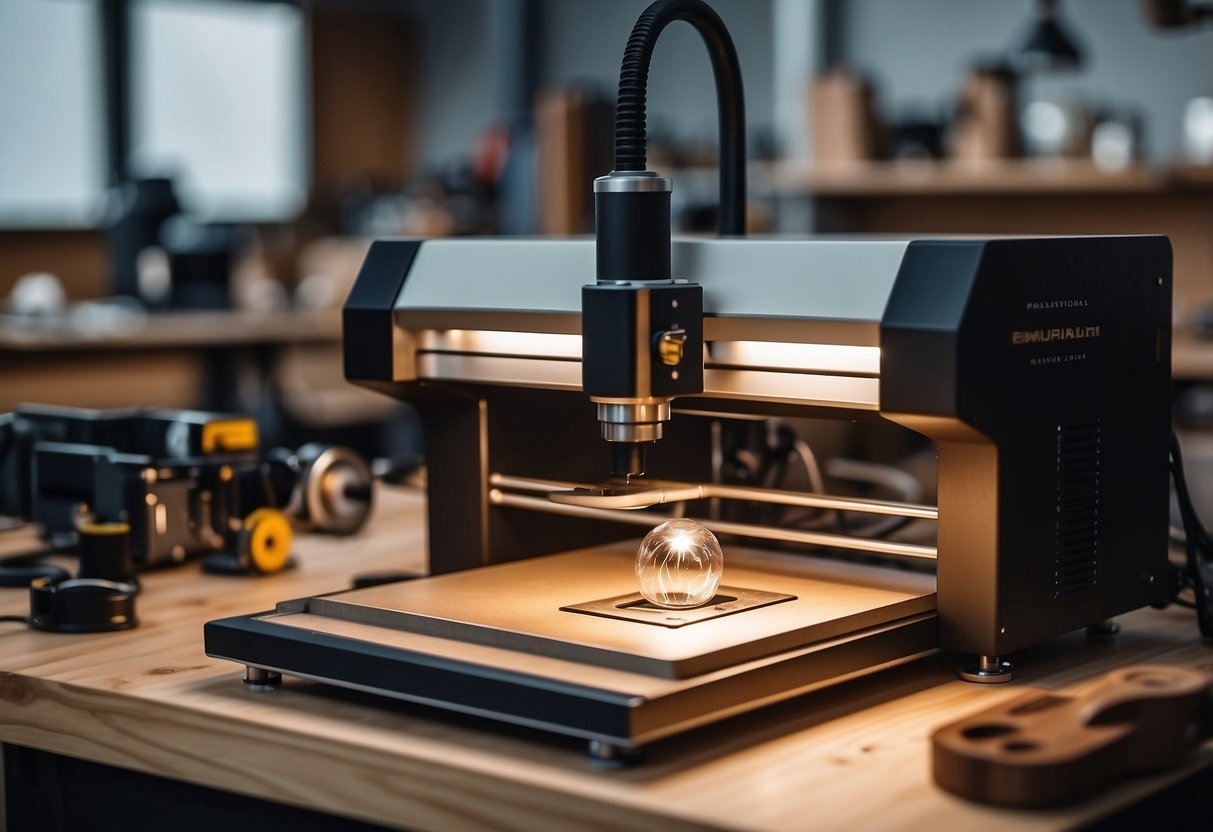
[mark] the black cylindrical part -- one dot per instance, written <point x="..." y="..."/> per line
<point x="627" y="459"/>
<point x="105" y="552"/>
<point x="633" y="235"/>
<point x="359" y="492"/>
<point x="116" y="50"/>
<point x="82" y="605"/>
<point x="274" y="484"/>
<point x="137" y="210"/>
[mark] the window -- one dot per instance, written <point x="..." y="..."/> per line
<point x="52" y="153"/>
<point x="217" y="100"/>
<point x="218" y="104"/>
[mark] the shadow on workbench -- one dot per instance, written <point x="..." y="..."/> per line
<point x="52" y="793"/>
<point x="682" y="752"/>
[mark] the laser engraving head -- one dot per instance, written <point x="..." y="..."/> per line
<point x="642" y="330"/>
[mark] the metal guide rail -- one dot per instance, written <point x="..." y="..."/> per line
<point x="577" y="500"/>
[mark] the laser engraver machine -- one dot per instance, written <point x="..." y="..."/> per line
<point x="1039" y="367"/>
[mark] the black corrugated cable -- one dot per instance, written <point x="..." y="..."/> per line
<point x="630" y="117"/>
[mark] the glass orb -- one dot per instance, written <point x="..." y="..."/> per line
<point x="679" y="565"/>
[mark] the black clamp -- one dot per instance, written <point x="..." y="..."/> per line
<point x="82" y="605"/>
<point x="101" y="598"/>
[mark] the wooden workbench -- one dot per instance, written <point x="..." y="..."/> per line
<point x="855" y="757"/>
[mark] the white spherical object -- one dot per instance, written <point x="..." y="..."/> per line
<point x="37" y="293"/>
<point x="679" y="565"/>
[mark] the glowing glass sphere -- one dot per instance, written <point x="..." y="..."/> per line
<point x="679" y="565"/>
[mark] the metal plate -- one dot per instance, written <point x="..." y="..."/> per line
<point x="633" y="607"/>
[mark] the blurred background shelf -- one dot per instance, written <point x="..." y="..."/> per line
<point x="175" y="329"/>
<point x="994" y="177"/>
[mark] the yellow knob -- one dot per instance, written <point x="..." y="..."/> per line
<point x="267" y="533"/>
<point x="670" y="345"/>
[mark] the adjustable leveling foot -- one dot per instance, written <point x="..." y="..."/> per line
<point x="260" y="680"/>
<point x="988" y="670"/>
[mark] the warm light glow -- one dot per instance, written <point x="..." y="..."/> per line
<point x="539" y="344"/>
<point x="814" y="374"/>
<point x="679" y="565"/>
<point x="818" y="358"/>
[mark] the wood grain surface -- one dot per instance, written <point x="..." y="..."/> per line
<point x="852" y="757"/>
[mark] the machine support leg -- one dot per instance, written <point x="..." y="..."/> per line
<point x="601" y="754"/>
<point x="988" y="670"/>
<point x="1105" y="630"/>
<point x="260" y="680"/>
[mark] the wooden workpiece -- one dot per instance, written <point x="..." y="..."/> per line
<point x="853" y="757"/>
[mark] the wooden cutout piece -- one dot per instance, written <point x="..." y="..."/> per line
<point x="1042" y="749"/>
